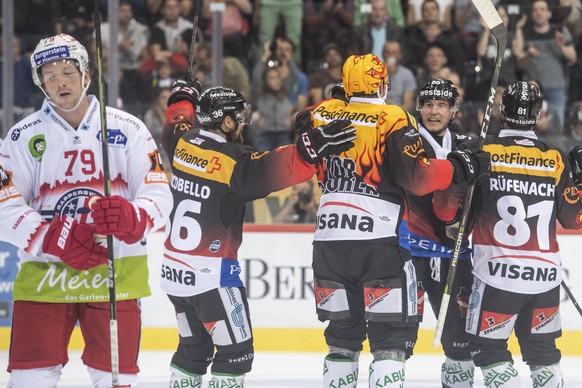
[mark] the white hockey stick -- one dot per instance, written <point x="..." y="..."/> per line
<point x="495" y="24"/>
<point x="107" y="191"/>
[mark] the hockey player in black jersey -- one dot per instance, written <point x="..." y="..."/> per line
<point x="432" y="240"/>
<point x="213" y="176"/>
<point x="516" y="257"/>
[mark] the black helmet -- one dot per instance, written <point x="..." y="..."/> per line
<point x="521" y="105"/>
<point x="439" y="89"/>
<point x="216" y="103"/>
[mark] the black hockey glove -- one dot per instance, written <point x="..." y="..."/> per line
<point x="575" y="157"/>
<point x="469" y="165"/>
<point x="182" y="90"/>
<point x="325" y="140"/>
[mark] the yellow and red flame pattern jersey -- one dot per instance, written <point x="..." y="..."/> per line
<point x="530" y="187"/>
<point x="362" y="187"/>
<point x="212" y="180"/>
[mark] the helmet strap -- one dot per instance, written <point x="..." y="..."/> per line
<point x="83" y="95"/>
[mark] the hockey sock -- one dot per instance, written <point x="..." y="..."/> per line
<point x="180" y="379"/>
<point x="224" y="380"/>
<point x="340" y="371"/>
<point x="457" y="373"/>
<point x="502" y="374"/>
<point x="549" y="376"/>
<point x="387" y="369"/>
<point x="38" y="377"/>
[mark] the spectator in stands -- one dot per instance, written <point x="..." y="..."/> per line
<point x="236" y="19"/>
<point x="575" y="120"/>
<point x="295" y="82"/>
<point x="24" y="89"/>
<point x="329" y="74"/>
<point x="547" y="49"/>
<point x="548" y="123"/>
<point x="415" y="11"/>
<point x="435" y="59"/>
<point x="300" y="206"/>
<point x="393" y="10"/>
<point x="234" y="74"/>
<point x="34" y="20"/>
<point x="430" y="30"/>
<point x="468" y="25"/>
<point x="487" y="51"/>
<point x="402" y="80"/>
<point x="77" y="19"/>
<point x="269" y="12"/>
<point x="165" y="40"/>
<point x="132" y="40"/>
<point x="325" y="21"/>
<point x="155" y="117"/>
<point x="273" y="113"/>
<point x="370" y="37"/>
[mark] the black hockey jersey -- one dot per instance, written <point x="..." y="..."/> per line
<point x="212" y="179"/>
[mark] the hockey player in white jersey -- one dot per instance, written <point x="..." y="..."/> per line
<point x="51" y="164"/>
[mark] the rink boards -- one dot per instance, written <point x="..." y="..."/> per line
<point x="276" y="269"/>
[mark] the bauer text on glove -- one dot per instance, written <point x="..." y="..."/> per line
<point x="329" y="139"/>
<point x="73" y="243"/>
<point x="116" y="216"/>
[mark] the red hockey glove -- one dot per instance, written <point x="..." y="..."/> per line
<point x="325" y="140"/>
<point x="73" y="243"/>
<point x="469" y="165"/>
<point x="115" y="215"/>
<point x="182" y="90"/>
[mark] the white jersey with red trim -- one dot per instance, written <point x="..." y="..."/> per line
<point x="50" y="168"/>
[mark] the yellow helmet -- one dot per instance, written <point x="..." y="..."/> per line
<point x="364" y="74"/>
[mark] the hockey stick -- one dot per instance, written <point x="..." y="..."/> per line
<point x="571" y="296"/>
<point x="107" y="191"/>
<point x="197" y="5"/>
<point x="498" y="30"/>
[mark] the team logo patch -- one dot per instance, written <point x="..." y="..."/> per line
<point x="219" y="332"/>
<point x="73" y="203"/>
<point x="37" y="146"/>
<point x="214" y="246"/>
<point x="524" y="142"/>
<point x="114" y="137"/>
<point x="571" y="195"/>
<point x="545" y="320"/>
<point x="496" y="325"/>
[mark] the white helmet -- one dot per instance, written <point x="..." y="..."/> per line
<point x="55" y="48"/>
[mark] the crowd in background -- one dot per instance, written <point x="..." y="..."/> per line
<point x="284" y="55"/>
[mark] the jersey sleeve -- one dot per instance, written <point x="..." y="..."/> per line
<point x="148" y="183"/>
<point x="21" y="225"/>
<point x="257" y="174"/>
<point x="408" y="162"/>
<point x="179" y="121"/>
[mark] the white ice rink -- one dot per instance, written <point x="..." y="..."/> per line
<point x="295" y="370"/>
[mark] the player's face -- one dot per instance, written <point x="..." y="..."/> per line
<point x="62" y="82"/>
<point x="435" y="115"/>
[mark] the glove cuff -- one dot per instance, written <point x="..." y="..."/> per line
<point x="138" y="232"/>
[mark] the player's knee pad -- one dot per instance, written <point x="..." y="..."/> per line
<point x="340" y="370"/>
<point x="181" y="379"/>
<point x="502" y="374"/>
<point x="389" y="354"/>
<point x="38" y="377"/>
<point x="457" y="373"/>
<point x="225" y="380"/>
<point x="387" y="373"/>
<point x="549" y="376"/>
<point x="102" y="379"/>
